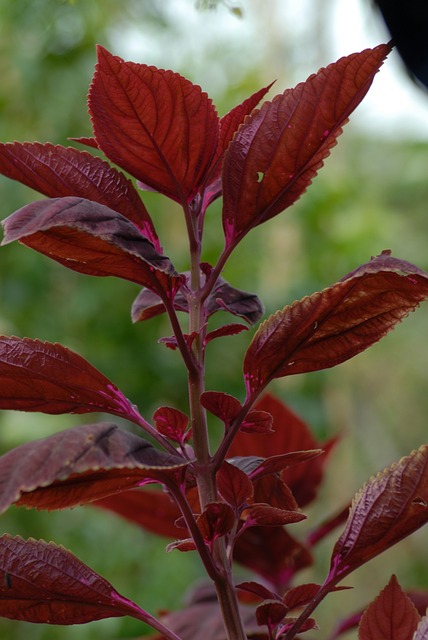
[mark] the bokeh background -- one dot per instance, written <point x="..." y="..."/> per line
<point x="371" y="195"/>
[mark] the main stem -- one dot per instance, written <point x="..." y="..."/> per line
<point x="204" y="468"/>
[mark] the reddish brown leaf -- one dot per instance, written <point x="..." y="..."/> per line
<point x="90" y="238"/>
<point x="264" y="515"/>
<point x="40" y="376"/>
<point x="257" y="422"/>
<point x="278" y="150"/>
<point x="234" y="485"/>
<point x="272" y="553"/>
<point x="225" y="330"/>
<point x="272" y="490"/>
<point x="392" y="616"/>
<point x="80" y="465"/>
<point x="215" y="521"/>
<point x="270" y="613"/>
<point x="387" y="509"/>
<point x="153" y="510"/>
<point x="331" y="326"/>
<point x="258" y="590"/>
<point x="59" y="171"/>
<point x="290" y="435"/>
<point x="155" y="124"/>
<point x="283" y="461"/>
<point x="42" y="582"/>
<point x="172" y="423"/>
<point x="222" y="405"/>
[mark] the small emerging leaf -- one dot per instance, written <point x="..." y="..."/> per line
<point x="172" y="423"/>
<point x="392" y="616"/>
<point x="215" y="521"/>
<point x="270" y="613"/>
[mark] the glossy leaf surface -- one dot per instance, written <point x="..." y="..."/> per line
<point x="277" y="152"/>
<point x="153" y="123"/>
<point x="80" y="465"/>
<point x="392" y="616"/>
<point x="45" y="583"/>
<point x="58" y="171"/>
<point x="90" y="238"/>
<point x="41" y="376"/>
<point x="331" y="326"/>
<point x="391" y="506"/>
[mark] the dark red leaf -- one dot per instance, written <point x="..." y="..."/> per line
<point x="392" y="616"/>
<point x="301" y="596"/>
<point x="288" y="623"/>
<point x="234" y="485"/>
<point x="291" y="435"/>
<point x="181" y="545"/>
<point x="172" y="423"/>
<point x="270" y="613"/>
<point x="277" y="152"/>
<point x="222" y="405"/>
<point x="225" y="330"/>
<point x="391" y="506"/>
<point x="155" y="124"/>
<point x="272" y="553"/>
<point x="331" y="326"/>
<point x="283" y="461"/>
<point x="257" y="422"/>
<point x="153" y="510"/>
<point x="59" y="171"/>
<point x="90" y="238"/>
<point x="81" y="465"/>
<point x="224" y="297"/>
<point x="258" y="590"/>
<point x="266" y="516"/>
<point x="41" y="582"/>
<point x="228" y="126"/>
<point x="272" y="490"/>
<point x="215" y="521"/>
<point x="40" y="376"/>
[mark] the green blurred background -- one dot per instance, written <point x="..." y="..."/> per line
<point x="371" y="196"/>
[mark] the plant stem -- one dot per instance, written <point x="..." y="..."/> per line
<point x="324" y="590"/>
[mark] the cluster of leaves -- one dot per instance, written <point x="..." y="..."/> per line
<point x="233" y="504"/>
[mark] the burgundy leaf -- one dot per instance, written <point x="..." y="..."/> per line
<point x="270" y="613"/>
<point x="172" y="423"/>
<point x="41" y="582"/>
<point x="228" y="126"/>
<point x="155" y="124"/>
<point x="153" y="510"/>
<point x="331" y="326"/>
<point x="272" y="490"/>
<point x="266" y="516"/>
<point x="234" y="485"/>
<point x="387" y="509"/>
<point x="272" y="553"/>
<point x="288" y="623"/>
<point x="215" y="521"/>
<point x="301" y="596"/>
<point x="181" y="545"/>
<point x="40" y="376"/>
<point x="283" y="461"/>
<point x="91" y="238"/>
<point x="278" y="150"/>
<point x="222" y="405"/>
<point x="290" y="435"/>
<point x="392" y="616"/>
<point x="81" y="465"/>
<point x="59" y="171"/>
<point x="225" y="330"/>
<point x="258" y="590"/>
<point x="224" y="297"/>
<point x="257" y="422"/>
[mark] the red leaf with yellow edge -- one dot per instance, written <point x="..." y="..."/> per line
<point x="279" y="149"/>
<point x="58" y="171"/>
<point x="331" y="326"/>
<point x="155" y="124"/>
<point x="80" y="465"/>
<point x="390" y="507"/>
<point x="392" y="616"/>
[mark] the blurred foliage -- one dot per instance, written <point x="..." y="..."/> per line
<point x="371" y="196"/>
